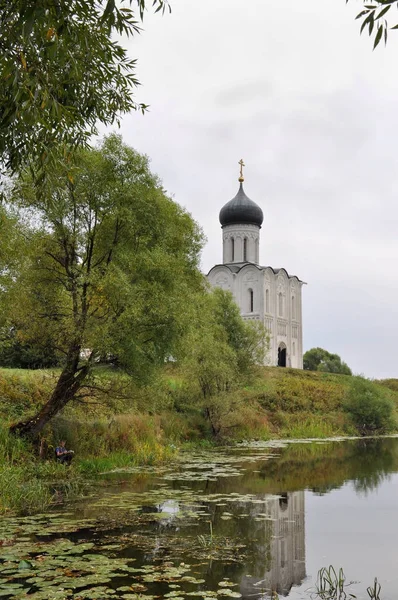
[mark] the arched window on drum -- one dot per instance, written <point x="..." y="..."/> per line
<point x="280" y="304"/>
<point x="267" y="306"/>
<point x="250" y="300"/>
<point x="245" y="250"/>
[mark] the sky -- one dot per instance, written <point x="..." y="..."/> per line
<point x="293" y="89"/>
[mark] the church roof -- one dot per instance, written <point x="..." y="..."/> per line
<point x="241" y="210"/>
<point x="236" y="267"/>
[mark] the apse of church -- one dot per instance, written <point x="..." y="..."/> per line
<point x="263" y="293"/>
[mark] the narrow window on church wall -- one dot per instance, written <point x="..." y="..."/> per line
<point x="232" y="249"/>
<point x="251" y="301"/>
<point x="280" y="304"/>
<point x="245" y="250"/>
<point x="293" y="307"/>
<point x="267" y="301"/>
<point x="294" y="348"/>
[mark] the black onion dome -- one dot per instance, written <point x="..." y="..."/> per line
<point x="241" y="210"/>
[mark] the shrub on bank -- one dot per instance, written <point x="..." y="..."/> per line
<point x="369" y="407"/>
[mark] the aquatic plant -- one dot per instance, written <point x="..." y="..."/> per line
<point x="374" y="590"/>
<point x="331" y="585"/>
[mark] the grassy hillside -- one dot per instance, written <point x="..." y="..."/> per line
<point x="275" y="403"/>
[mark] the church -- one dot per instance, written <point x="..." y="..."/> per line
<point x="264" y="294"/>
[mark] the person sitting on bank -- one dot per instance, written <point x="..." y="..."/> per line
<point x="63" y="455"/>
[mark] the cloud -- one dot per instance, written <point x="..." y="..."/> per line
<point x="294" y="90"/>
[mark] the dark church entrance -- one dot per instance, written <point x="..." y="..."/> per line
<point x="281" y="356"/>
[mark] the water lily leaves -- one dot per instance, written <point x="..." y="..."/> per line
<point x="189" y="511"/>
<point x="226" y="584"/>
<point x="96" y="593"/>
<point x="229" y="593"/>
<point x="24" y="564"/>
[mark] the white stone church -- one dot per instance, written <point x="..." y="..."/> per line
<point x="262" y="293"/>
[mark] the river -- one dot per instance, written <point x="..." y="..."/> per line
<point x="249" y="522"/>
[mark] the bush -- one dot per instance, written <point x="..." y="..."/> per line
<point x="369" y="407"/>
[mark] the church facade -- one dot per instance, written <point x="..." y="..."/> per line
<point x="262" y="293"/>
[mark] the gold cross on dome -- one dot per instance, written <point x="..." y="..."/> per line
<point x="242" y="164"/>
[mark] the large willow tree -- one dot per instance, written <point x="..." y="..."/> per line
<point x="63" y="70"/>
<point x="109" y="263"/>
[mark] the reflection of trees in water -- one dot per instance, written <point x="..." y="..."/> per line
<point x="375" y="460"/>
<point x="323" y="467"/>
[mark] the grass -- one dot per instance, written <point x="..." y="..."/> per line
<point x="312" y="426"/>
<point x="22" y="493"/>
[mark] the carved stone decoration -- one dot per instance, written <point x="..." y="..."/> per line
<point x="222" y="282"/>
<point x="250" y="277"/>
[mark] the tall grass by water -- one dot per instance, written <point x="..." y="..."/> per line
<point x="28" y="485"/>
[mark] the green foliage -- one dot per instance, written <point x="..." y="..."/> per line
<point x="218" y="353"/>
<point x="141" y="436"/>
<point x="369" y="407"/>
<point x="16" y="353"/>
<point x="220" y="347"/>
<point x="62" y="72"/>
<point x="26" y="483"/>
<point x="22" y="392"/>
<point x="310" y="426"/>
<point x="318" y="359"/>
<point x="248" y="339"/>
<point x="294" y="391"/>
<point x="22" y="493"/>
<point x="374" y="19"/>
<point x="111" y="263"/>
<point x="12" y="449"/>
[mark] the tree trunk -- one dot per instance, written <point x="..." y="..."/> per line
<point x="68" y="384"/>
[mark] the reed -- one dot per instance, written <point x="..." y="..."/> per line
<point x="332" y="585"/>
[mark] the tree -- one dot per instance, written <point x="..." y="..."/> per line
<point x="374" y="18"/>
<point x="248" y="339"/>
<point x="218" y="353"/>
<point x="369" y="407"/>
<point x="318" y="359"/>
<point x="18" y="354"/>
<point x="62" y="71"/>
<point x="110" y="264"/>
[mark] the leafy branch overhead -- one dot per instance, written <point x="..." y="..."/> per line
<point x="62" y="71"/>
<point x="374" y="19"/>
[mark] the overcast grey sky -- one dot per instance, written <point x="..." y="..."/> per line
<point x="292" y="89"/>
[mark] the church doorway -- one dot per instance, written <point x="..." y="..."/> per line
<point x="282" y="356"/>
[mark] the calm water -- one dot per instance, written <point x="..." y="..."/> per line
<point x="228" y="523"/>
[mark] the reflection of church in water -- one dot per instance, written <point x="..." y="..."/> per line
<point x="264" y="294"/>
<point x="283" y="544"/>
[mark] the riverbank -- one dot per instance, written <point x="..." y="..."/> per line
<point x="117" y="424"/>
